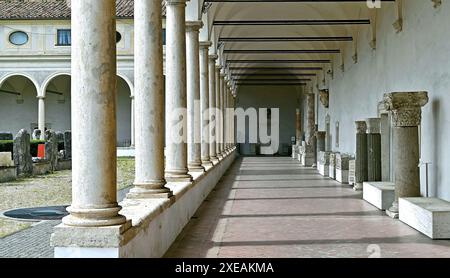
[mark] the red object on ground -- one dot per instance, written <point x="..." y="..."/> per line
<point x="41" y="151"/>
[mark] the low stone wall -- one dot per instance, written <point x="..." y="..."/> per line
<point x="155" y="223"/>
<point x="64" y="164"/>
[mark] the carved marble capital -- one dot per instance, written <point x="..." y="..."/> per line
<point x="406" y="107"/>
<point x="193" y="26"/>
<point x="324" y="97"/>
<point x="361" y="127"/>
<point x="373" y="125"/>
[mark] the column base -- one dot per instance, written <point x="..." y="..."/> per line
<point x="214" y="160"/>
<point x="196" y="168"/>
<point x="207" y="163"/>
<point x="140" y="192"/>
<point x="393" y="211"/>
<point x="94" y="217"/>
<point x="176" y="176"/>
<point x="358" y="186"/>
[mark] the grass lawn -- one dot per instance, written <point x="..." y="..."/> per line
<point x="49" y="190"/>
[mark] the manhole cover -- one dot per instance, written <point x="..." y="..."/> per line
<point x="42" y="213"/>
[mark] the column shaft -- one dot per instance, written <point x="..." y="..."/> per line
<point x="94" y="183"/>
<point x="176" y="104"/>
<point x="133" y="127"/>
<point x="149" y="102"/>
<point x="204" y="102"/>
<point x="193" y="96"/>
<point x="219" y="115"/>
<point x="213" y="107"/>
<point x="373" y="149"/>
<point x="41" y="116"/>
<point x="361" y="155"/>
<point x="298" y="127"/>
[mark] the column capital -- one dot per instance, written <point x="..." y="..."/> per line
<point x="213" y="57"/>
<point x="361" y="127"/>
<point x="406" y="107"/>
<point x="193" y="26"/>
<point x="373" y="125"/>
<point x="175" y="2"/>
<point x="218" y="67"/>
<point x="223" y="74"/>
<point x="205" y="44"/>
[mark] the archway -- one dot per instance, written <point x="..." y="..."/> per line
<point x="18" y="103"/>
<point x="123" y="112"/>
<point x="58" y="102"/>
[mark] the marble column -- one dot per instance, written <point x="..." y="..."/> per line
<point x="176" y="103"/>
<point x="149" y="102"/>
<point x="219" y="115"/>
<point x="41" y="116"/>
<point x="94" y="161"/>
<point x="204" y="102"/>
<point x="361" y="155"/>
<point x="133" y="127"/>
<point x="311" y="118"/>
<point x="212" y="106"/>
<point x="193" y="96"/>
<point x="298" y="129"/>
<point x="222" y="109"/>
<point x="406" y="109"/>
<point x="373" y="149"/>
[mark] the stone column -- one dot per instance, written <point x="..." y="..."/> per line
<point x="406" y="117"/>
<point x="298" y="129"/>
<point x="204" y="102"/>
<point x="219" y="116"/>
<point x="176" y="104"/>
<point x="373" y="149"/>
<point x="41" y="116"/>
<point x="225" y="120"/>
<point x="311" y="118"/>
<point x="149" y="106"/>
<point x="133" y="141"/>
<point x="361" y="155"/>
<point x="94" y="184"/>
<point x="193" y="96"/>
<point x="221" y="107"/>
<point x="212" y="106"/>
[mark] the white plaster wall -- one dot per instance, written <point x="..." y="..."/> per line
<point x="415" y="59"/>
<point x="283" y="97"/>
<point x="57" y="114"/>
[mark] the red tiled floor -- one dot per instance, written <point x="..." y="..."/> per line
<point x="272" y="207"/>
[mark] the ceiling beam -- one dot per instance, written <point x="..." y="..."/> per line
<point x="282" y="51"/>
<point x="270" y="84"/>
<point x="286" y="39"/>
<point x="276" y="68"/>
<point x="274" y="74"/>
<point x="278" y="61"/>
<point x="310" y="22"/>
<point x="291" y="1"/>
<point x="272" y="80"/>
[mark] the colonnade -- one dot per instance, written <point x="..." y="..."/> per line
<point x="195" y="86"/>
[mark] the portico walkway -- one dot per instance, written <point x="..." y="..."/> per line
<point x="272" y="207"/>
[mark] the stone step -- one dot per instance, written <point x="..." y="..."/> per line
<point x="379" y="194"/>
<point x="430" y="216"/>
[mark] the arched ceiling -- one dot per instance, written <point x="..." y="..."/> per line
<point x="284" y="34"/>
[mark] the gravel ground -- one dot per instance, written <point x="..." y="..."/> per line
<point x="49" y="190"/>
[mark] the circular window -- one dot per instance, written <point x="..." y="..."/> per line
<point x="118" y="37"/>
<point x="18" y="38"/>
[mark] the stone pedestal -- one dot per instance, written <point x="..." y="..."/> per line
<point x="406" y="115"/>
<point x="7" y="168"/>
<point x="320" y="143"/>
<point x="342" y="167"/>
<point x="379" y="194"/>
<point x="351" y="171"/>
<point x="373" y="149"/>
<point x="306" y="155"/>
<point x="332" y="167"/>
<point x="361" y="155"/>
<point x="324" y="163"/>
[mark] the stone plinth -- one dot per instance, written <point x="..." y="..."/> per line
<point x="306" y="155"/>
<point x="379" y="194"/>
<point x="8" y="171"/>
<point x="332" y="167"/>
<point x="342" y="168"/>
<point x="430" y="216"/>
<point x="361" y="155"/>
<point x="323" y="163"/>
<point x="351" y="171"/>
<point x="42" y="167"/>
